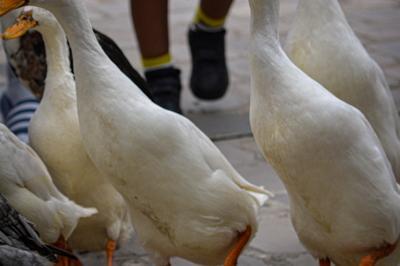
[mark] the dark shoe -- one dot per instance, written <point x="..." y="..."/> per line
<point x="209" y="78"/>
<point x="165" y="87"/>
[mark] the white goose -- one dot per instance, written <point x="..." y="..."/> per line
<point x="185" y="198"/>
<point x="55" y="136"/>
<point x="27" y="185"/>
<point x="343" y="196"/>
<point x="323" y="45"/>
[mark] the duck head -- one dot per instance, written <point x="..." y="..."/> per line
<point x="31" y="17"/>
<point x="23" y="23"/>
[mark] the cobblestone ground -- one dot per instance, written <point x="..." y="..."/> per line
<point x="376" y="22"/>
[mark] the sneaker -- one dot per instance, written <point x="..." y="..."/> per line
<point x="209" y="77"/>
<point x="165" y="87"/>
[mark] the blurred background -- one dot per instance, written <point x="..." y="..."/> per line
<point x="377" y="24"/>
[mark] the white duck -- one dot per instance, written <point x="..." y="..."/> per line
<point x="54" y="134"/>
<point x="185" y="198"/>
<point x="27" y="185"/>
<point x="343" y="196"/>
<point x="323" y="45"/>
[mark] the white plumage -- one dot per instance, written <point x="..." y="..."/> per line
<point x="27" y="185"/>
<point x="323" y="45"/>
<point x="55" y="135"/>
<point x="185" y="198"/>
<point x="343" y="195"/>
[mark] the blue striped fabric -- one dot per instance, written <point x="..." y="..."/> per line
<point x="5" y="106"/>
<point x="19" y="116"/>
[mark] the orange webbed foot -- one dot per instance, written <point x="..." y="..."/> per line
<point x="244" y="237"/>
<point x="64" y="261"/>
<point x="372" y="258"/>
<point x="61" y="243"/>
<point x="110" y="248"/>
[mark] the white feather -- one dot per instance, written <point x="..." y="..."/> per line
<point x="343" y="196"/>
<point x="185" y="198"/>
<point x="54" y="133"/>
<point x="323" y="45"/>
<point x="27" y="185"/>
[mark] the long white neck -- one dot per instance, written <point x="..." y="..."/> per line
<point x="267" y="59"/>
<point x="57" y="54"/>
<point x="264" y="38"/>
<point x="264" y="24"/>
<point x="86" y="50"/>
<point x="59" y="79"/>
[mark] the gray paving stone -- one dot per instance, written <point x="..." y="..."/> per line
<point x="246" y="158"/>
<point x="385" y="61"/>
<point x="396" y="96"/>
<point x="391" y="48"/>
<point x="379" y="35"/>
<point x="275" y="233"/>
<point x="250" y="261"/>
<point x="220" y="126"/>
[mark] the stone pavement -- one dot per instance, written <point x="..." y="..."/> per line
<point x="376" y="22"/>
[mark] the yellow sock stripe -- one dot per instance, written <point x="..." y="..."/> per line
<point x="156" y="61"/>
<point x="201" y="17"/>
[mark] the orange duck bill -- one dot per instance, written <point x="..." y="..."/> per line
<point x="23" y="23"/>
<point x="8" y="5"/>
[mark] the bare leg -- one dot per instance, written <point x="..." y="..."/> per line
<point x="150" y="18"/>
